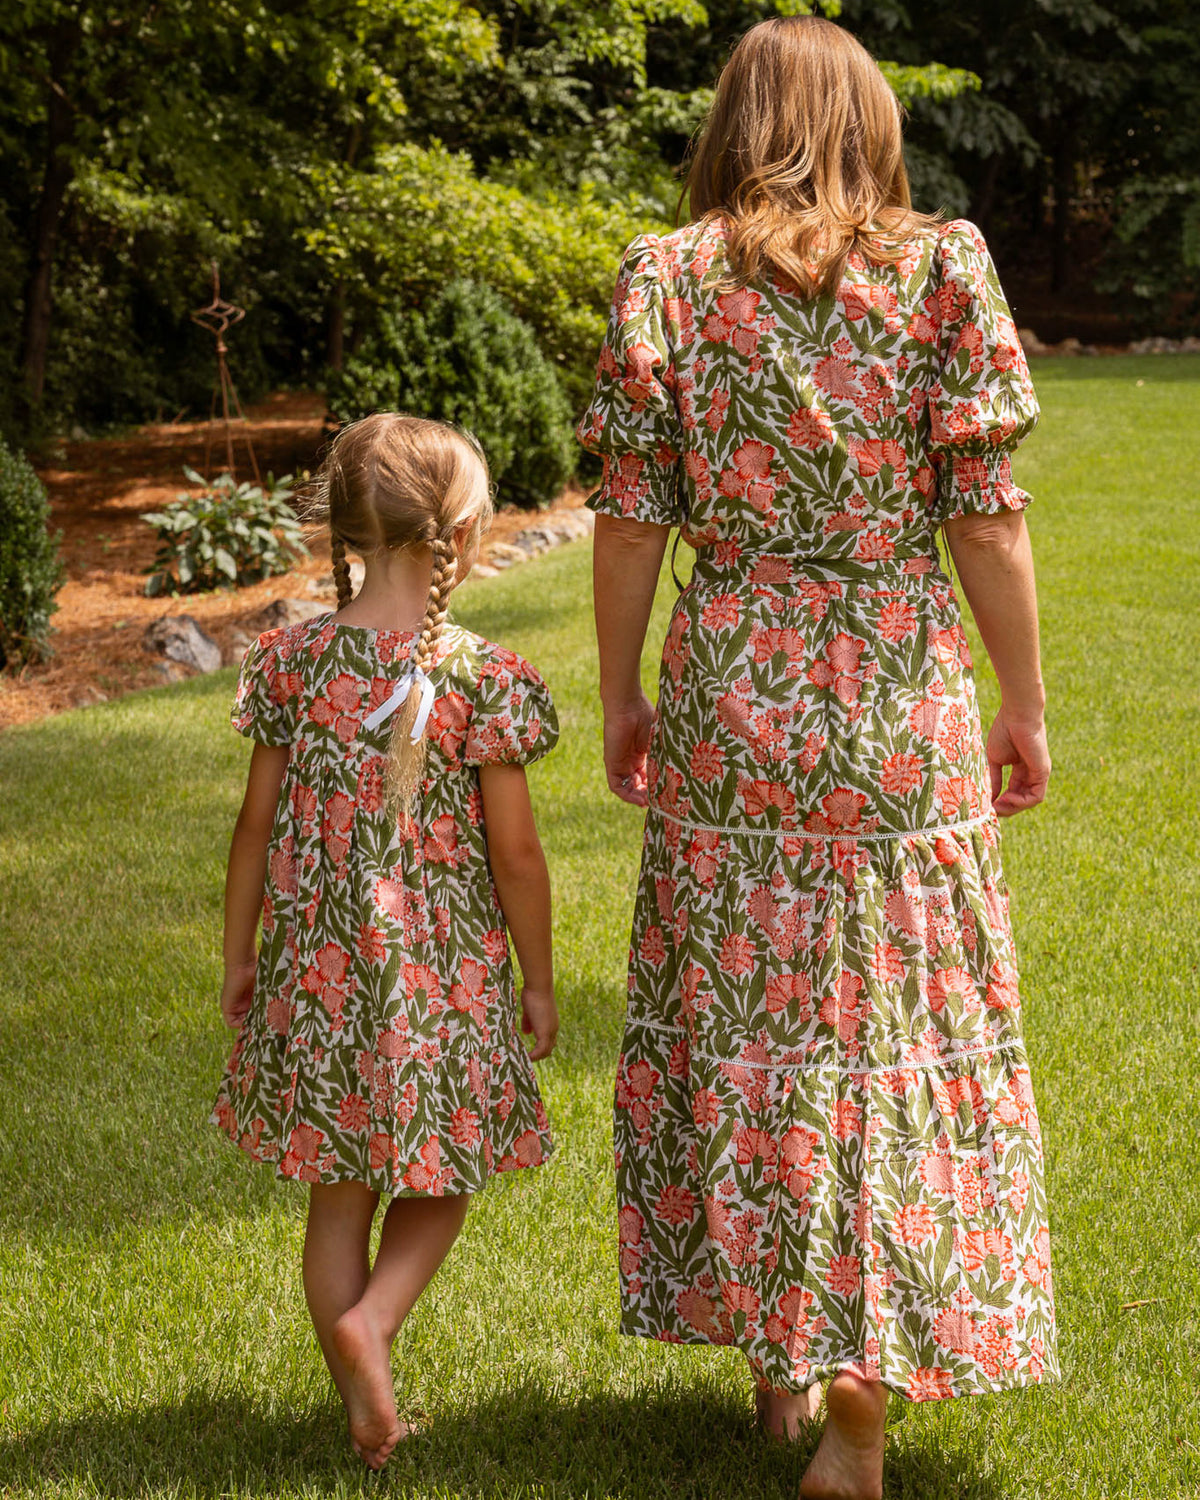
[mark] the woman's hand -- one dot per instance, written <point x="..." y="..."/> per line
<point x="1021" y="745"/>
<point x="627" y="732"/>
<point x="237" y="992"/>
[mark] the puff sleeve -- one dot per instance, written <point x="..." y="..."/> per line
<point x="982" y="403"/>
<point x="633" y="420"/>
<point x="260" y="710"/>
<point x="513" y="720"/>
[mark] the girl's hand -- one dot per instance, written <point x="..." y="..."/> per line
<point x="627" y="732"/>
<point x="1021" y="745"/>
<point x="539" y="1015"/>
<point x="237" y="992"/>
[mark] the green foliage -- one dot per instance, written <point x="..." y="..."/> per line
<point x="229" y="533"/>
<point x="31" y="572"/>
<point x="342" y="160"/>
<point x="422" y="217"/>
<point x="466" y="358"/>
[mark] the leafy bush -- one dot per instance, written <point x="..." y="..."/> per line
<point x="422" y="217"/>
<point x="467" y="358"/>
<point x="229" y="533"/>
<point x="30" y="570"/>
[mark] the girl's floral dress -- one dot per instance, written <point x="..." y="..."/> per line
<point x="382" y="1044"/>
<point x="827" y="1147"/>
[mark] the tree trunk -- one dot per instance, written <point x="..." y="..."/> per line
<point x="1064" y="183"/>
<point x="56" y="178"/>
<point x="335" y="326"/>
<point x="984" y="205"/>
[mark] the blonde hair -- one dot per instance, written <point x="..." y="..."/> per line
<point x="391" y="482"/>
<point x="801" y="156"/>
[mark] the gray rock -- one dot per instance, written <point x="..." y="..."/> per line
<point x="180" y="639"/>
<point x="1070" y="345"/>
<point x="502" y="555"/>
<point x="287" y="612"/>
<point x="535" y="539"/>
<point x="1029" y="342"/>
<point x="236" y="643"/>
<point x="1157" y="344"/>
<point x="170" y="671"/>
<point x="572" y="525"/>
<point x="1190" y="345"/>
<point x="88" y="694"/>
<point x="484" y="570"/>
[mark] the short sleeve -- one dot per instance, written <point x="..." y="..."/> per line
<point x="513" y="720"/>
<point x="982" y="404"/>
<point x="260" y="708"/>
<point x="633" y="420"/>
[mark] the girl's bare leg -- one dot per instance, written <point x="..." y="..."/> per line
<point x="848" y="1463"/>
<point x="336" y="1268"/>
<point x="787" y="1415"/>
<point x="417" y="1234"/>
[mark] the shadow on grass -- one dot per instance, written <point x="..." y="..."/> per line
<point x="531" y="1441"/>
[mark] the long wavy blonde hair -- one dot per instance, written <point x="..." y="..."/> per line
<point x="801" y="156"/>
<point x="393" y="482"/>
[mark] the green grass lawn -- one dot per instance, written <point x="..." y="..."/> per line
<point x="153" y="1337"/>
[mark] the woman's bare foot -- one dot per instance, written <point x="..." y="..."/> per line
<point x="787" y="1417"/>
<point x="848" y="1463"/>
<point x="365" y="1352"/>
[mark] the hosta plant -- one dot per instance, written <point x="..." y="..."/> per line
<point x="228" y="533"/>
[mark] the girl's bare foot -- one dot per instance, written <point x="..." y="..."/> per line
<point x="848" y="1463"/>
<point x="787" y="1416"/>
<point x="365" y="1352"/>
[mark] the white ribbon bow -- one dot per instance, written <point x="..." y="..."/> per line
<point x="399" y="695"/>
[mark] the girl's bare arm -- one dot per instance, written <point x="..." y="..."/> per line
<point x="246" y="876"/>
<point x="523" y="885"/>
<point x="994" y="562"/>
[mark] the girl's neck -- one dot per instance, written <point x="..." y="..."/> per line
<point x="394" y="593"/>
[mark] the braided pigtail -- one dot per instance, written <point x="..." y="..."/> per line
<point x="341" y="569"/>
<point x="406" y="758"/>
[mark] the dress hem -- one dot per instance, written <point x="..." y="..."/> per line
<point x="331" y="1179"/>
<point x="827" y="1371"/>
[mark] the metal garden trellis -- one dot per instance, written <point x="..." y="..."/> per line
<point x="218" y="317"/>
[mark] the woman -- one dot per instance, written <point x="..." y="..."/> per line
<point x="827" y="1147"/>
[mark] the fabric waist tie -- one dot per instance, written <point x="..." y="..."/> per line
<point x="802" y="568"/>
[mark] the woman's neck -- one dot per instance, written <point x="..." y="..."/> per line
<point x="394" y="593"/>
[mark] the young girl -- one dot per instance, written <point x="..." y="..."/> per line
<point x="378" y="1048"/>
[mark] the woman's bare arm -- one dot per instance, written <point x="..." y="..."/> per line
<point x="626" y="560"/>
<point x="994" y="562"/>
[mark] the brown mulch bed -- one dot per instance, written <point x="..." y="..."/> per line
<point x="98" y="490"/>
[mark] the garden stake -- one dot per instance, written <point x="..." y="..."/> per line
<point x="218" y="317"/>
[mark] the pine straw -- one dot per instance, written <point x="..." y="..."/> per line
<point x="98" y="491"/>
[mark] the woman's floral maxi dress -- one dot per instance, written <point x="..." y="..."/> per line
<point x="827" y="1147"/>
<point x="382" y="1045"/>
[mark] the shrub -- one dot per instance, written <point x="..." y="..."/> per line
<point x="229" y="533"/>
<point x="467" y="358"/>
<point x="422" y="217"/>
<point x="30" y="570"/>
